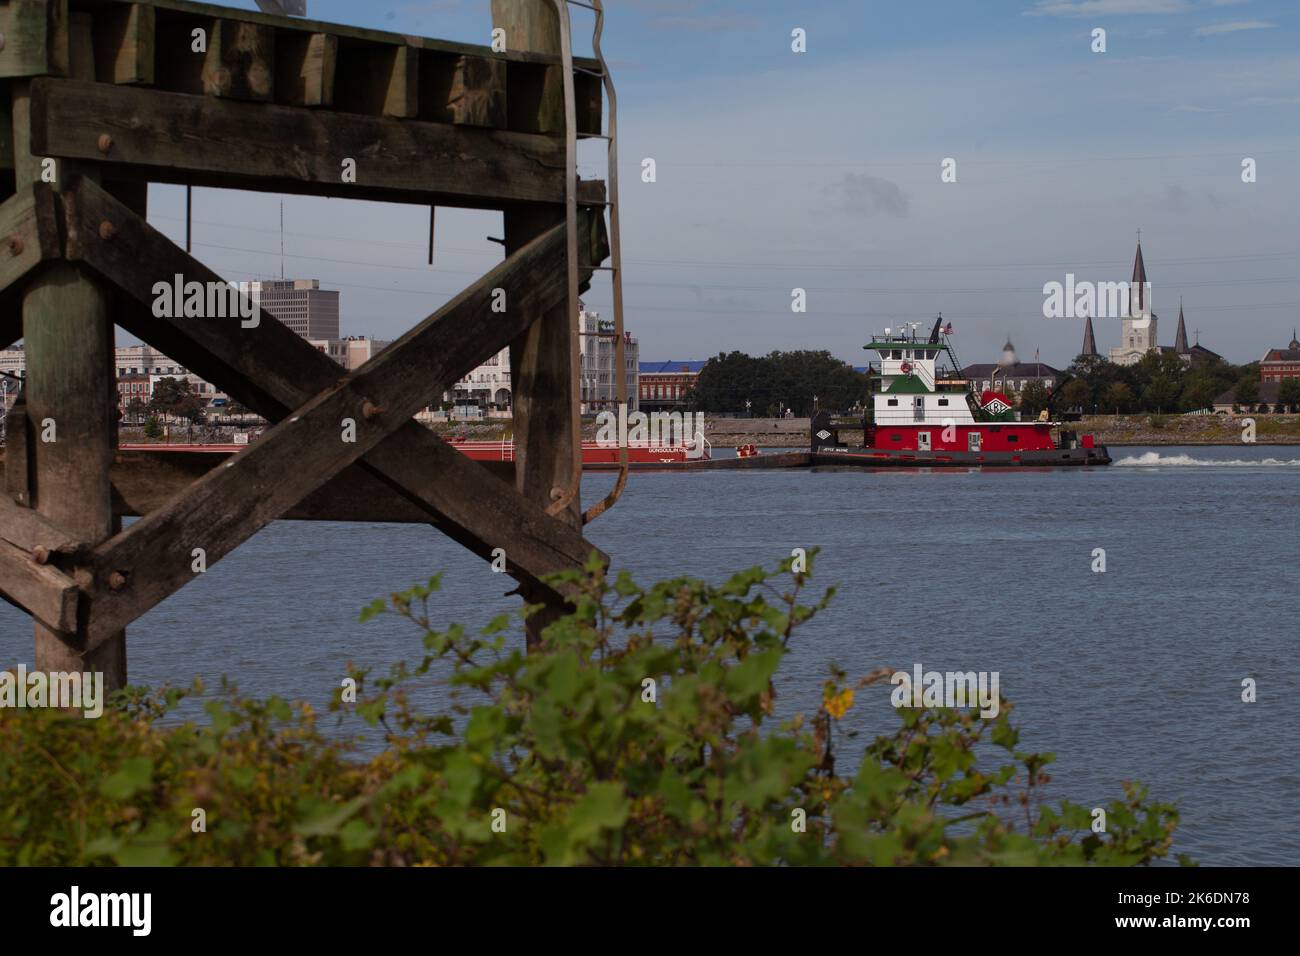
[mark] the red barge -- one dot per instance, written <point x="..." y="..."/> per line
<point x="921" y="417"/>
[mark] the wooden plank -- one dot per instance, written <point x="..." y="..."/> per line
<point x="272" y="370"/>
<point x="588" y="92"/>
<point x="44" y="592"/>
<point x="81" y="46"/>
<point x="143" y="481"/>
<point x="124" y="44"/>
<point x="466" y="90"/>
<point x="6" y="133"/>
<point x="240" y="62"/>
<point x="18" y="440"/>
<point x="172" y="136"/>
<point x="36" y="38"/>
<point x="178" y="65"/>
<point x="29" y="530"/>
<point x="380" y="80"/>
<point x="305" y="68"/>
<point x="183" y="9"/>
<point x="28" y="233"/>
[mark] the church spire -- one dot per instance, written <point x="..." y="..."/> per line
<point x="1180" y="343"/>
<point x="1138" y="286"/>
<point x="1089" y="343"/>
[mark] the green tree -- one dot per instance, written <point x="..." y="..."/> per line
<point x="1288" y="393"/>
<point x="1074" y="394"/>
<point x="1247" y="391"/>
<point x="153" y="429"/>
<point x="176" y="397"/>
<point x="1033" y="399"/>
<point x="641" y="730"/>
<point x="1161" y="393"/>
<point x="1200" y="389"/>
<point x="789" y="379"/>
<point x="1119" y="397"/>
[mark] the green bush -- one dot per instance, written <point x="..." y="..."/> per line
<point x="558" y="756"/>
<point x="153" y="429"/>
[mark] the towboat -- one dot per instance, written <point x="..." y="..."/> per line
<point x="924" y="417"/>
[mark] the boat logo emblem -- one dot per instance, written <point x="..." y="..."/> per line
<point x="823" y="434"/>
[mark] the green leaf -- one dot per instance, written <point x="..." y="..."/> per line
<point x="135" y="774"/>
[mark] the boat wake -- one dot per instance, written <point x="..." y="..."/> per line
<point x="1154" y="458"/>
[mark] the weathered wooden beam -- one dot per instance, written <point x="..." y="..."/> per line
<point x="81" y="45"/>
<point x="6" y="133"/>
<point x="18" y="455"/>
<point x="466" y="90"/>
<point x="152" y="558"/>
<point x="44" y="592"/>
<point x="240" y="61"/>
<point x="186" y="10"/>
<point x="541" y="361"/>
<point x="29" y="233"/>
<point x="33" y="532"/>
<point x="174" y="137"/>
<point x="71" y="403"/>
<point x="124" y="43"/>
<point x="382" y="80"/>
<point x="143" y="481"/>
<point x="35" y="38"/>
<point x="305" y="68"/>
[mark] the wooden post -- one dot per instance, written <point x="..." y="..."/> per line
<point x="71" y="407"/>
<point x="540" y="368"/>
<point x="69" y="345"/>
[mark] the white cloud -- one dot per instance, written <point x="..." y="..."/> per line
<point x="1214" y="29"/>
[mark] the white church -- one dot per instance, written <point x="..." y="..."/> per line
<point x="1138" y="327"/>
<point x="1139" y="323"/>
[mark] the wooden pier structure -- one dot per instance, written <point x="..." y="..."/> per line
<point x="102" y="97"/>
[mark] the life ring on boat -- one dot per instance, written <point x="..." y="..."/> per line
<point x="906" y="368"/>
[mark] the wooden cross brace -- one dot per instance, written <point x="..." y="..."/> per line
<point x="327" y="420"/>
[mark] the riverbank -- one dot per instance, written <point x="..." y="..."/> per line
<point x="1116" y="431"/>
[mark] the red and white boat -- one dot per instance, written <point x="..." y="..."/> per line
<point x="921" y="418"/>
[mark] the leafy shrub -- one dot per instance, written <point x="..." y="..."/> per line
<point x="153" y="429"/>
<point x="558" y="756"/>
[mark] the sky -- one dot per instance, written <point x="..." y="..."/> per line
<point x="821" y="170"/>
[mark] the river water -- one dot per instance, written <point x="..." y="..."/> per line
<point x="1134" y="673"/>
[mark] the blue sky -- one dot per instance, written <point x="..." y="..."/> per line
<point x="820" y="170"/>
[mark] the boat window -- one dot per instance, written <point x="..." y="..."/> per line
<point x="896" y="437"/>
<point x="1012" y="438"/>
<point x="898" y="354"/>
<point x="893" y="401"/>
<point x="943" y="401"/>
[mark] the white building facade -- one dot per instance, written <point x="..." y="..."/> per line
<point x="598" y="373"/>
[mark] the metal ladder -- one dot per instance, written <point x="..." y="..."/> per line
<point x="564" y="499"/>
